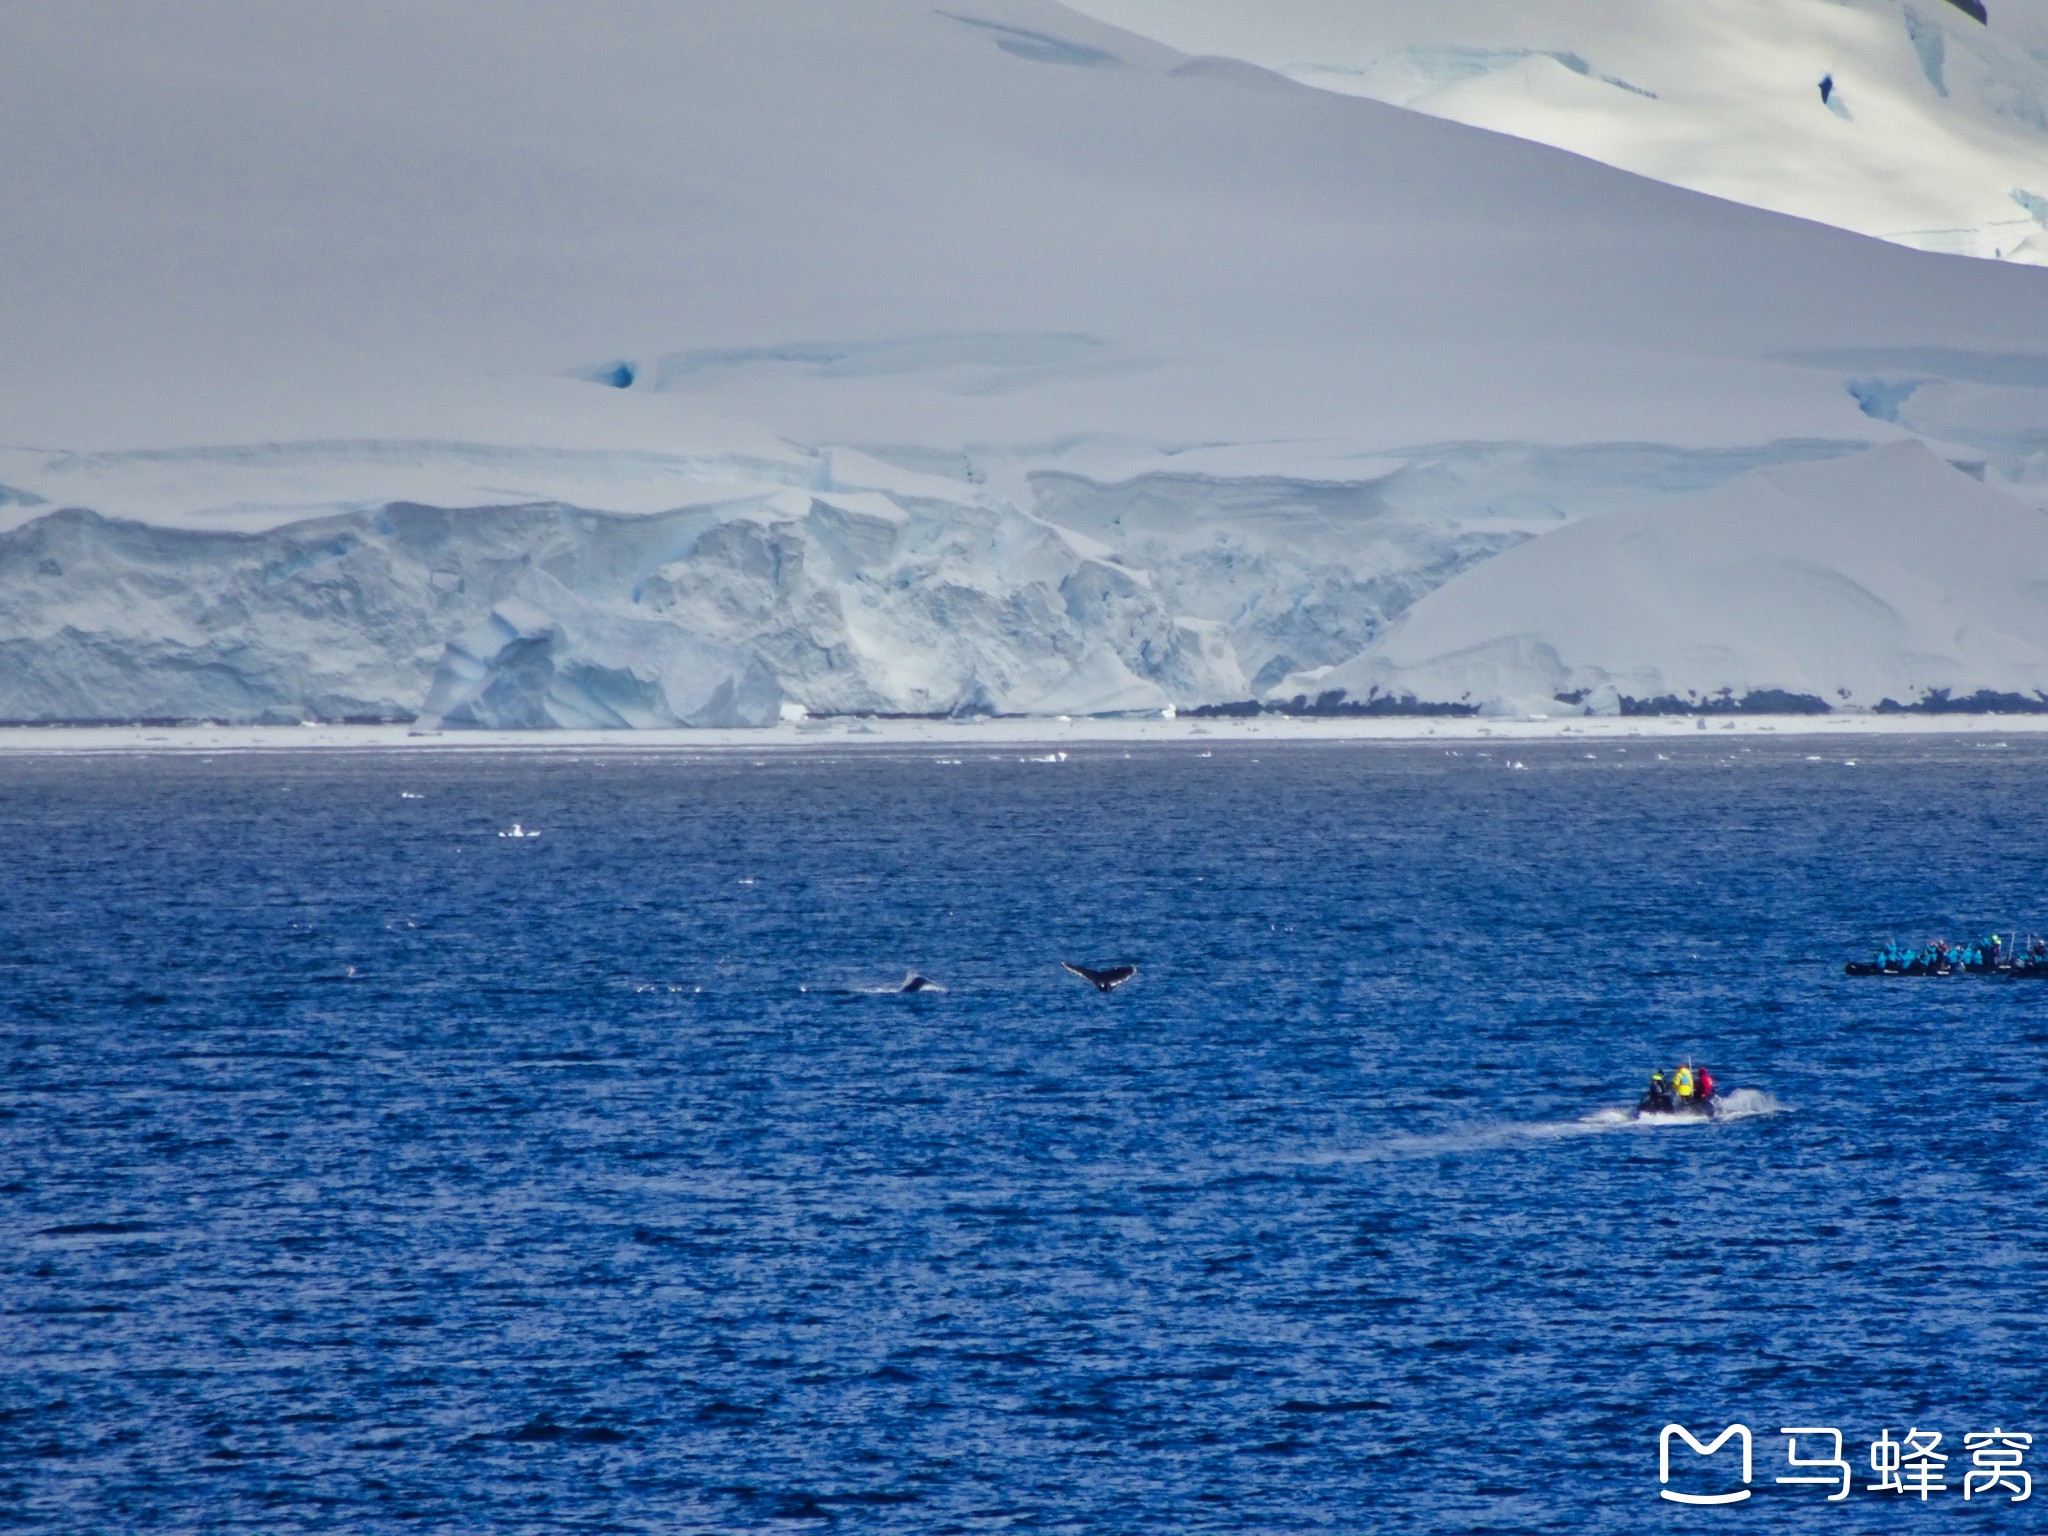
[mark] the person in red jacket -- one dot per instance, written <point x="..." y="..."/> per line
<point x="1706" y="1084"/>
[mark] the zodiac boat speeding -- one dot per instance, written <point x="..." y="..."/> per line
<point x="1678" y="1109"/>
<point x="1688" y="1093"/>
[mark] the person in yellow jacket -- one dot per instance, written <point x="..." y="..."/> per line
<point x="1681" y="1081"/>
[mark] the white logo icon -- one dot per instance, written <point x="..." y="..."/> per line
<point x="1664" y="1463"/>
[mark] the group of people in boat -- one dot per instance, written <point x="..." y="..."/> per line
<point x="1689" y="1090"/>
<point x="1995" y="955"/>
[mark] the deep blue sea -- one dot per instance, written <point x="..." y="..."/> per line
<point x="363" y="1170"/>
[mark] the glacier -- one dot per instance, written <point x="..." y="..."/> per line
<point x="537" y="616"/>
<point x="544" y="658"/>
<point x="1131" y="584"/>
<point x="706" y="364"/>
<point x="1887" y="580"/>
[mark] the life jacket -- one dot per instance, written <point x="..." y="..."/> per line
<point x="1683" y="1082"/>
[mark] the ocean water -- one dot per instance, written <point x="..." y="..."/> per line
<point x="364" y="1170"/>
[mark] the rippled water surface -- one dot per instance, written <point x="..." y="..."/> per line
<point x="362" y="1170"/>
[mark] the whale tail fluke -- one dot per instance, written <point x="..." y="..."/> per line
<point x="1105" y="980"/>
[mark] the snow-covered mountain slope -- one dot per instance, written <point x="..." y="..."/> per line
<point x="413" y="223"/>
<point x="1171" y="377"/>
<point x="1920" y="121"/>
<point x="1888" y="578"/>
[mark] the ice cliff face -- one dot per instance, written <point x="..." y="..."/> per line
<point x="519" y="617"/>
<point x="1125" y="584"/>
<point x="543" y="657"/>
